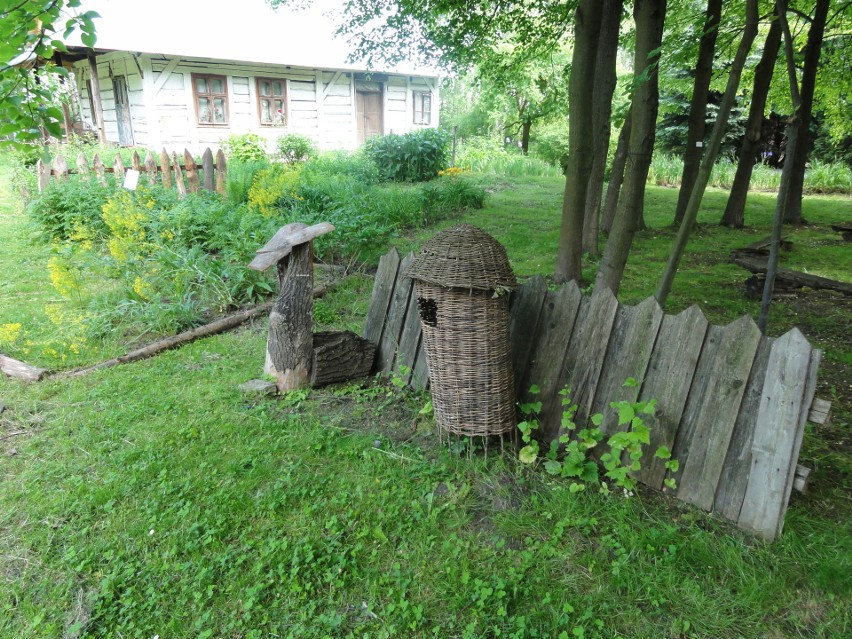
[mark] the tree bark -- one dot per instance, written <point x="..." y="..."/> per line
<point x="605" y="79"/>
<point x="616" y="174"/>
<point x="703" y="177"/>
<point x="752" y="142"/>
<point x="649" y="16"/>
<point x="290" y="342"/>
<point x="526" y="125"/>
<point x="698" y="106"/>
<point x="587" y="20"/>
<point x="793" y="205"/>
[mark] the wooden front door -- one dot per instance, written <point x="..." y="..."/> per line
<point x="368" y="109"/>
<point x="122" y="111"/>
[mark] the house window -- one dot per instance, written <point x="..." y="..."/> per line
<point x="272" y="101"/>
<point x="211" y="99"/>
<point x="422" y="107"/>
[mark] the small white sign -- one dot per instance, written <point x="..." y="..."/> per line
<point x="131" y="179"/>
<point x="699" y="144"/>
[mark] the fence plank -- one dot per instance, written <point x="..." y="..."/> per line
<point x="100" y="170"/>
<point x="807" y="400"/>
<point x="420" y="374"/>
<point x="584" y="361"/>
<point x="118" y="169"/>
<point x="221" y="172"/>
<point x="181" y="187"/>
<point x="556" y="323"/>
<point x="730" y="493"/>
<point x="668" y="380"/>
<point x="151" y="168"/>
<point x="43" y="170"/>
<point x="83" y="167"/>
<point x="136" y="162"/>
<point x="60" y="168"/>
<point x="711" y="411"/>
<point x="383" y="285"/>
<point x="389" y="342"/>
<point x="631" y="343"/>
<point x="207" y="169"/>
<point x="781" y="405"/>
<point x="408" y="341"/>
<point x="165" y="169"/>
<point x="192" y="181"/>
<point x="523" y="322"/>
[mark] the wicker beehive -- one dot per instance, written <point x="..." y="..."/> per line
<point x="462" y="282"/>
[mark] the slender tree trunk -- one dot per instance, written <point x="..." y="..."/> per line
<point x="793" y="205"/>
<point x="787" y="171"/>
<point x="616" y="174"/>
<point x="605" y="79"/>
<point x="526" y="125"/>
<point x="649" y="16"/>
<point x="752" y="142"/>
<point x="703" y="177"/>
<point x="587" y="20"/>
<point x="698" y="106"/>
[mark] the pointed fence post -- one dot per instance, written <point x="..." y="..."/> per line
<point x="60" y="168"/>
<point x="43" y="170"/>
<point x="221" y="172"/>
<point x="151" y="168"/>
<point x="165" y="169"/>
<point x="82" y="167"/>
<point x="118" y="169"/>
<point x="207" y="168"/>
<point x="100" y="170"/>
<point x="136" y="162"/>
<point x="191" y="172"/>
<point x="181" y="187"/>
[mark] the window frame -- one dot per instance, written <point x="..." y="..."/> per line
<point x="417" y="98"/>
<point x="261" y="96"/>
<point x="211" y="96"/>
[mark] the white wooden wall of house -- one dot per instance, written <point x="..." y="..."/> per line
<point x="320" y="103"/>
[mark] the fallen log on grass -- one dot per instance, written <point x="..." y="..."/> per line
<point x="20" y="370"/>
<point x="795" y="278"/>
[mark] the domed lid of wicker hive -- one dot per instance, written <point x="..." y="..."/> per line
<point x="466" y="257"/>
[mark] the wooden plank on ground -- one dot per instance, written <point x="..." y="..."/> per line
<point x="389" y="342"/>
<point x="221" y="172"/>
<point x="408" y="341"/>
<point x="631" y="343"/>
<point x="165" y="169"/>
<point x="527" y="302"/>
<point x="781" y="405"/>
<point x="383" y="285"/>
<point x="668" y="379"/>
<point x="810" y="389"/>
<point x="555" y="325"/>
<point x="711" y="411"/>
<point x="192" y="182"/>
<point x="589" y="341"/>
<point x="735" y="472"/>
<point x="208" y="181"/>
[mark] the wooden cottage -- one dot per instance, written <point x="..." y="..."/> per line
<point x="162" y="91"/>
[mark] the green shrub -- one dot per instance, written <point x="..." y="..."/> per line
<point x="240" y="178"/>
<point x="357" y="165"/>
<point x="414" y="157"/>
<point x="245" y="147"/>
<point x="70" y="207"/>
<point x="274" y="188"/>
<point x="294" y="147"/>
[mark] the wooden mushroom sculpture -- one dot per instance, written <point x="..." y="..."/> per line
<point x="289" y="347"/>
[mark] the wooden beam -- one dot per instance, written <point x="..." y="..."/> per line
<point x="164" y="75"/>
<point x="794" y="277"/>
<point x="98" y="115"/>
<point x="334" y="80"/>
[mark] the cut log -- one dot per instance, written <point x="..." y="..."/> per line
<point x="760" y="248"/>
<point x="20" y="370"/>
<point x="340" y="356"/>
<point x="795" y="278"/>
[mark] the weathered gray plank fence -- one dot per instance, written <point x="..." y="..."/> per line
<point x="167" y="170"/>
<point x="731" y="403"/>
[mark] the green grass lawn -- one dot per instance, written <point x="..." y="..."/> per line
<point x="155" y="499"/>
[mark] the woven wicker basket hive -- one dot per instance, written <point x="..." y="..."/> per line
<point x="462" y="282"/>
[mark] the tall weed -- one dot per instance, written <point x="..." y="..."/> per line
<point x="414" y="157"/>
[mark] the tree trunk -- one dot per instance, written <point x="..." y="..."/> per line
<point x="526" y="125"/>
<point x="793" y="205"/>
<point x="290" y="343"/>
<point x="616" y="174"/>
<point x="587" y="20"/>
<point x="698" y="106"/>
<point x="703" y="177"/>
<point x="649" y="16"/>
<point x="752" y="142"/>
<point x="605" y="79"/>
